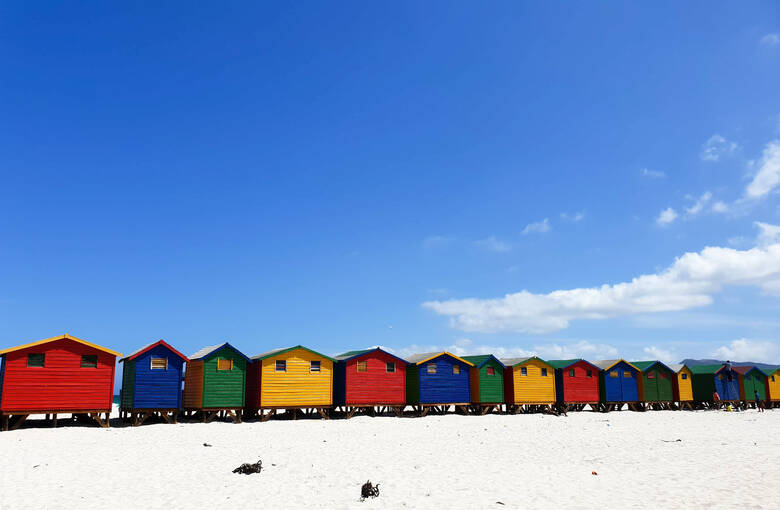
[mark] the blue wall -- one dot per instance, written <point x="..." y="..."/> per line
<point x="339" y="383"/>
<point x="158" y="388"/>
<point x="620" y="388"/>
<point x="727" y="389"/>
<point x="444" y="386"/>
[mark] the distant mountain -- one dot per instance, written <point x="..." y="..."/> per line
<point x="762" y="366"/>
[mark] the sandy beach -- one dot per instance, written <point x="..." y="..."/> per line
<point x="721" y="460"/>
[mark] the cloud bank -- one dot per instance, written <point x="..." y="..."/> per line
<point x="690" y="282"/>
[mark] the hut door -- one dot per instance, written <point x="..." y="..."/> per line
<point x="651" y="386"/>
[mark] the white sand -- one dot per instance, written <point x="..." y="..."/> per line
<point x="723" y="460"/>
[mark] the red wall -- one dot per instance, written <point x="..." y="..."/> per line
<point x="375" y="385"/>
<point x="61" y="384"/>
<point x="254" y="372"/>
<point x="581" y="388"/>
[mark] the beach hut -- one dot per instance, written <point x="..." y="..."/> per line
<point x="656" y="385"/>
<point x="529" y="384"/>
<point x="295" y="379"/>
<point x="435" y="381"/>
<point x="58" y="375"/>
<point x="487" y="383"/>
<point x="683" y="385"/>
<point x="215" y="383"/>
<point x="773" y="386"/>
<point x="151" y="383"/>
<point x="707" y="379"/>
<point x="369" y="380"/>
<point x="576" y="383"/>
<point x="618" y="384"/>
<point x="751" y="380"/>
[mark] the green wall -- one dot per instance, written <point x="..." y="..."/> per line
<point x="412" y="384"/>
<point x="491" y="387"/>
<point x="658" y="389"/>
<point x="224" y="388"/>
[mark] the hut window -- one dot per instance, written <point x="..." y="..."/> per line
<point x="314" y="366"/>
<point x="36" y="360"/>
<point x="224" y="364"/>
<point x="159" y="363"/>
<point x="523" y="370"/>
<point x="281" y="365"/>
<point x="431" y="368"/>
<point x="390" y="367"/>
<point x="544" y="372"/>
<point x="589" y="373"/>
<point x="613" y="373"/>
<point x="627" y="374"/>
<point x="651" y="375"/>
<point x="362" y="366"/>
<point x="491" y="371"/>
<point x="455" y="369"/>
<point x="773" y="378"/>
<point x="731" y="378"/>
<point x="662" y="375"/>
<point x="721" y="377"/>
<point x="89" y="361"/>
<point x="571" y="372"/>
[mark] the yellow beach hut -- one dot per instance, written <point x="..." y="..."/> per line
<point x="529" y="384"/>
<point x="296" y="379"/>
<point x="683" y="385"/>
<point x="773" y="386"/>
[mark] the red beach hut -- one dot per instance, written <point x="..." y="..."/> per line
<point x="62" y="374"/>
<point x="370" y="380"/>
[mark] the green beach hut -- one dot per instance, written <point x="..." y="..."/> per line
<point x="487" y="383"/>
<point x="215" y="383"/>
<point x="656" y="385"/>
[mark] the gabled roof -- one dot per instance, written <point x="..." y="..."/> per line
<point x="416" y="359"/>
<point x="677" y="367"/>
<point x="276" y="352"/>
<point x="706" y="369"/>
<point x="61" y="337"/>
<point x="606" y="364"/>
<point x="481" y="359"/>
<point x="510" y="362"/>
<point x="770" y="371"/>
<point x="142" y="350"/>
<point x="355" y="354"/>
<point x="643" y="366"/>
<point x="209" y="351"/>
<point x="746" y="369"/>
<point x="566" y="363"/>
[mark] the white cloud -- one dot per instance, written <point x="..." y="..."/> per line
<point x="690" y="282"/>
<point x="493" y="244"/>
<point x="575" y="217"/>
<point x="767" y="234"/>
<point x="768" y="176"/>
<point x="720" y="207"/>
<point x="653" y="174"/>
<point x="557" y="350"/>
<point x="666" y="217"/>
<point x="749" y="350"/>
<point x="698" y="206"/>
<point x="716" y="147"/>
<point x="539" y="226"/>
<point x="770" y="40"/>
<point x="664" y="355"/>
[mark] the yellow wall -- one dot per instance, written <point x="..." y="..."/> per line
<point x="685" y="385"/>
<point x="533" y="388"/>
<point x="297" y="386"/>
<point x="774" y="387"/>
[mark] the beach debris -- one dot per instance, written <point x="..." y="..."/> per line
<point x="207" y="445"/>
<point x="671" y="440"/>
<point x="594" y="473"/>
<point x="368" y="490"/>
<point x="499" y="503"/>
<point x="249" y="469"/>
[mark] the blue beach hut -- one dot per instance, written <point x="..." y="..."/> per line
<point x="437" y="380"/>
<point x="151" y="383"/>
<point x="618" y="384"/>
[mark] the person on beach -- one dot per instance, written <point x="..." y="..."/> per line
<point x="759" y="404"/>
<point x="716" y="399"/>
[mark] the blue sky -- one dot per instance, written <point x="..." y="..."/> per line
<point x="354" y="174"/>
